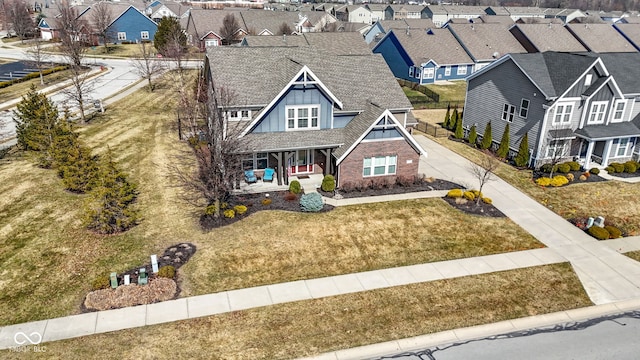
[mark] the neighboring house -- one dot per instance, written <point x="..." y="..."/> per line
<point x="157" y="10"/>
<point x="485" y="43"/>
<point x="354" y="14"/>
<point x="546" y="37"/>
<point x="203" y="27"/>
<point x="380" y="28"/>
<point x="600" y="38"/>
<point x="631" y="32"/>
<point x="424" y="56"/>
<point x="132" y="26"/>
<point x="565" y="15"/>
<point x="261" y="22"/>
<point x="497" y="10"/>
<point x="300" y="113"/>
<point x="360" y="28"/>
<point x="377" y="11"/>
<point x="331" y="43"/>
<point x="524" y="12"/>
<point x="441" y="14"/>
<point x="505" y="20"/>
<point x="403" y="11"/>
<point x="571" y="106"/>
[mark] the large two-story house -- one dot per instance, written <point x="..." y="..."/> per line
<point x="300" y="113"/>
<point x="581" y="106"/>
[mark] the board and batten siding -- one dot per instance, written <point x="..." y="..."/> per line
<point x="489" y="92"/>
<point x="276" y="119"/>
<point x="395" y="56"/>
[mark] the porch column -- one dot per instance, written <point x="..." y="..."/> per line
<point x="287" y="156"/>
<point x="327" y="162"/>
<point x="278" y="157"/>
<point x="605" y="153"/>
<point x="587" y="160"/>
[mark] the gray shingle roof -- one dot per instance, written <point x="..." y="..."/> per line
<point x="333" y="43"/>
<point x="613" y="130"/>
<point x="356" y="127"/>
<point x="439" y="46"/>
<point x="505" y="20"/>
<point x="554" y="72"/>
<point x="293" y="140"/>
<point x="550" y="37"/>
<point x="631" y="31"/>
<point x="600" y="38"/>
<point x="624" y="69"/>
<point x="483" y="41"/>
<point x="259" y="20"/>
<point x="203" y="21"/>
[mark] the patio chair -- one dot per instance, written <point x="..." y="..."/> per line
<point x="268" y="174"/>
<point x="250" y="176"/>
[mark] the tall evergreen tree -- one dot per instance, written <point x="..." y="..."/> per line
<point x="453" y="120"/>
<point x="459" y="134"/>
<point x="76" y="166"/>
<point x="473" y="136"/>
<point x="522" y="159"/>
<point x="169" y="37"/>
<point x="486" y="138"/>
<point x="447" y="117"/>
<point x="503" y="149"/>
<point x="36" y="118"/>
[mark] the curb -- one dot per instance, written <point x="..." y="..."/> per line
<point x="478" y="332"/>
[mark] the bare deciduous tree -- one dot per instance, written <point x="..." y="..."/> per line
<point x="146" y="65"/>
<point x="230" y="27"/>
<point x="284" y="29"/>
<point x="101" y="18"/>
<point x="37" y="57"/>
<point x="484" y="172"/>
<point x="17" y="13"/>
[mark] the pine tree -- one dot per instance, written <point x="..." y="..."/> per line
<point x="36" y="120"/>
<point x="459" y="134"/>
<point x="110" y="206"/>
<point x="473" y="136"/>
<point x="454" y="120"/>
<point x="503" y="149"/>
<point x="486" y="138"/>
<point x="168" y="36"/>
<point x="447" y="117"/>
<point x="523" y="152"/>
<point x="74" y="162"/>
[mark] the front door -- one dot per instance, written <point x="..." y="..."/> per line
<point x="302" y="162"/>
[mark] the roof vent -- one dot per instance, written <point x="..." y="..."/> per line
<point x="407" y="30"/>
<point x="430" y="31"/>
<point x="496" y="55"/>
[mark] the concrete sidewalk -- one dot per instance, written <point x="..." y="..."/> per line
<point x="234" y="300"/>
<point x="606" y="275"/>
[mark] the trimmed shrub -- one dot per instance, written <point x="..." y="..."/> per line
<point x="630" y="167"/>
<point x="574" y="165"/>
<point x="290" y="196"/>
<point x="594" y="171"/>
<point x="473" y="136"/>
<point x="459" y="132"/>
<point x="455" y="193"/>
<point x="224" y="205"/>
<point x="598" y="232"/>
<point x="404" y="181"/>
<point x="523" y="152"/>
<point x="614" y="232"/>
<point x="295" y="187"/>
<point x="240" y="209"/>
<point x="617" y="166"/>
<point x="503" y="149"/>
<point x="486" y="138"/>
<point x="167" y="271"/>
<point x="586" y="174"/>
<point x="328" y="183"/>
<point x="564" y="168"/>
<point x="476" y="193"/>
<point x="266" y="202"/>
<point x="610" y="169"/>
<point x="547" y="168"/>
<point x="559" y="180"/>
<point x="101" y="282"/>
<point x="570" y="177"/>
<point x="543" y="181"/>
<point x="583" y="177"/>
<point x="229" y="213"/>
<point x="468" y="195"/>
<point x="210" y="210"/>
<point x="487" y="200"/>
<point x="311" y="202"/>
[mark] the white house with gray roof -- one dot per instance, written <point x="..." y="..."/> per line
<point x="581" y="106"/>
<point x="300" y="113"/>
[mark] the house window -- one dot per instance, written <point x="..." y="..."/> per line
<point x="563" y="114"/>
<point x="462" y="70"/>
<point x="211" y="42"/>
<point x="379" y="165"/>
<point x="596" y="114"/>
<point x="257" y="161"/>
<point x="418" y="73"/>
<point x="623" y="146"/>
<point x="447" y="71"/>
<point x="557" y="149"/>
<point x="236" y="115"/>
<point x="619" y="110"/>
<point x="410" y="71"/>
<point x="524" y="108"/>
<point x="429" y="73"/>
<point x="588" y="79"/>
<point x="144" y="35"/>
<point x="508" y="112"/>
<point x="122" y="36"/>
<point x="303" y="117"/>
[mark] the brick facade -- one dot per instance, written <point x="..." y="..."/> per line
<point x="351" y="167"/>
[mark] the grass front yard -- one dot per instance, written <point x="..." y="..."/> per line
<point x="48" y="259"/>
<point x="311" y="327"/>
<point x="17" y="90"/>
<point x="615" y="200"/>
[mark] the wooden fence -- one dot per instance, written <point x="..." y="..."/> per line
<point x="433" y="130"/>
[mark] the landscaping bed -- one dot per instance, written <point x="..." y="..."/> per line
<point x="576" y="175"/>
<point x="471" y="207"/>
<point x="382" y="187"/>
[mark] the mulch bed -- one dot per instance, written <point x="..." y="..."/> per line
<point x="626" y="175"/>
<point x="576" y="177"/>
<point x="253" y="202"/>
<point x="436" y="184"/>
<point x="471" y="207"/>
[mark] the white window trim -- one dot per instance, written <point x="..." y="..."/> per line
<point x="122" y="35"/>
<point x="418" y="73"/>
<point x="237" y="115"/>
<point x="462" y="70"/>
<point x="296" y="109"/>
<point x="616" y="111"/>
<point x="447" y="71"/>
<point x="553" y="146"/>
<point x="387" y="163"/>
<point x="410" y="71"/>
<point x="509" y="113"/>
<point x="429" y="73"/>
<point x="144" y="35"/>
<point x="254" y="159"/>
<point x="626" y="147"/>
<point x="597" y="105"/>
<point x="565" y="116"/>
<point x="525" y="108"/>
<point x="588" y="79"/>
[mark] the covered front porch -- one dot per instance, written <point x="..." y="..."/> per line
<point x="601" y="145"/>
<point x="309" y="184"/>
<point x="300" y="164"/>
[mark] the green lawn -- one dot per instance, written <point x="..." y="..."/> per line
<point x="453" y="93"/>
